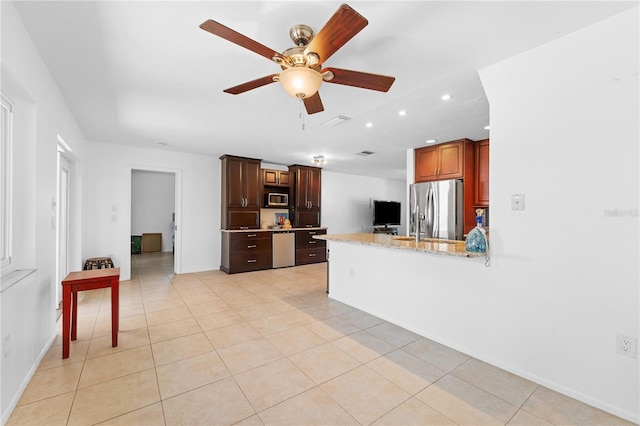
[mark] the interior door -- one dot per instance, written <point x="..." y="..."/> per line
<point x="64" y="174"/>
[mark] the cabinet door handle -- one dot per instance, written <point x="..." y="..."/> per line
<point x="252" y="246"/>
<point x="251" y="261"/>
<point x="312" y="254"/>
<point x="312" y="232"/>
<point x="250" y="235"/>
<point x="244" y="227"/>
<point x="312" y="242"/>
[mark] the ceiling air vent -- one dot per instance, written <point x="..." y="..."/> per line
<point x="365" y="153"/>
<point x="336" y="121"/>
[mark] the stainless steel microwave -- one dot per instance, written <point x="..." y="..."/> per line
<point x="274" y="199"/>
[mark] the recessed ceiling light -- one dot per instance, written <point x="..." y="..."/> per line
<point x="487" y="127"/>
<point x="446" y="97"/>
<point x="369" y="124"/>
<point x="431" y="141"/>
<point x="402" y="112"/>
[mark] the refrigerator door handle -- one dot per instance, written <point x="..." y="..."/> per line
<point x="429" y="213"/>
<point x="436" y="212"/>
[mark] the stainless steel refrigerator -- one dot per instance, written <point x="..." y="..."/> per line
<point x="438" y="207"/>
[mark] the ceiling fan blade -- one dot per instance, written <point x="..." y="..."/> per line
<point x="341" y="27"/>
<point x="250" y="85"/>
<point x="364" y="80"/>
<point x="313" y="104"/>
<point x="241" y="40"/>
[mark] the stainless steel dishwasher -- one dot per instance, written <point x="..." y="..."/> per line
<point x="284" y="249"/>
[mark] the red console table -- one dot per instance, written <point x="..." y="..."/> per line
<point x="87" y="280"/>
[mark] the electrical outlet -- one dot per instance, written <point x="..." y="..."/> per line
<point x="626" y="345"/>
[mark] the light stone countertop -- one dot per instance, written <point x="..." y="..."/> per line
<point x="434" y="246"/>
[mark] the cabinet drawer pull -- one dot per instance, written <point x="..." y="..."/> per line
<point x="251" y="261"/>
<point x="312" y="242"/>
<point x="312" y="232"/>
<point x="250" y="235"/>
<point x="244" y="227"/>
<point x="252" y="246"/>
<point x="312" y="255"/>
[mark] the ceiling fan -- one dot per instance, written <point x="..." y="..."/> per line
<point x="302" y="72"/>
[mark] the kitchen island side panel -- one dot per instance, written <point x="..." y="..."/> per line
<point x="458" y="302"/>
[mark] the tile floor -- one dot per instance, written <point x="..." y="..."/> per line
<point x="267" y="348"/>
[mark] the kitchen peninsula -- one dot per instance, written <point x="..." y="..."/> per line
<point x="429" y="245"/>
<point x="421" y="287"/>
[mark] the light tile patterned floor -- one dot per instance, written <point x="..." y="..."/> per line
<point x="268" y="348"/>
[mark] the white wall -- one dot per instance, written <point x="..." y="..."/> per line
<point x="28" y="308"/>
<point x="347" y="201"/>
<point x="564" y="132"/>
<point x="197" y="204"/>
<point x="564" y="276"/>
<point x="152" y="204"/>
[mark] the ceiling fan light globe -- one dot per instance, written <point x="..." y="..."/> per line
<point x="300" y="82"/>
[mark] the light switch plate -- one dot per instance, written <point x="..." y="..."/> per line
<point x="517" y="202"/>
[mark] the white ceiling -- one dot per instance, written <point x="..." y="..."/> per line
<point x="143" y="73"/>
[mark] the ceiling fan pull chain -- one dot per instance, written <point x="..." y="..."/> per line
<point x="301" y="113"/>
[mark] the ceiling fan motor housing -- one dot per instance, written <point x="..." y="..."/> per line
<point x="301" y="34"/>
<point x="295" y="57"/>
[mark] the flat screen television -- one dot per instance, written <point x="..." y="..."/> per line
<point x="386" y="213"/>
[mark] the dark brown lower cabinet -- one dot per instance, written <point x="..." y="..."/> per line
<point x="309" y="249"/>
<point x="246" y="251"/>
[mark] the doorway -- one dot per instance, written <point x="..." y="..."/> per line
<point x="62" y="224"/>
<point x="155" y="213"/>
